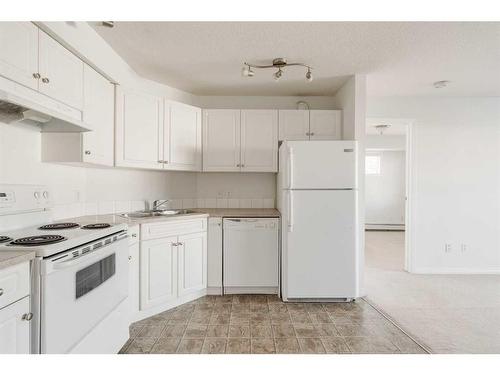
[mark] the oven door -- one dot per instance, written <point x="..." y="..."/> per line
<point x="77" y="294"/>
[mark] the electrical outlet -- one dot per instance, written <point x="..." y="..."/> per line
<point x="447" y="247"/>
<point x="463" y="248"/>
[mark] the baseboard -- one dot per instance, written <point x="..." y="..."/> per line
<point x="214" y="291"/>
<point x="395" y="227"/>
<point x="456" y="271"/>
<point x="251" y="290"/>
<point x="143" y="314"/>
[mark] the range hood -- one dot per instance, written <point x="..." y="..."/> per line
<point x="27" y="105"/>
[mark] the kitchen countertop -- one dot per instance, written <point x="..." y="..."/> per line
<point x="198" y="213"/>
<point x="10" y="258"/>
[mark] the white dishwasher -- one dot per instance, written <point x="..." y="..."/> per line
<point x="250" y="255"/>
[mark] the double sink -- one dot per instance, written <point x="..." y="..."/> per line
<point x="156" y="213"/>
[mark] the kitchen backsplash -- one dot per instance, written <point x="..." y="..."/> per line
<point x="64" y="211"/>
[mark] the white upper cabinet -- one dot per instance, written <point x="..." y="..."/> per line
<point x="293" y="125"/>
<point x="259" y="140"/>
<point x="99" y="113"/>
<point x="139" y="130"/>
<point x="61" y="72"/>
<point x="19" y="52"/>
<point x="325" y="124"/>
<point x="221" y="140"/>
<point x="182" y="137"/>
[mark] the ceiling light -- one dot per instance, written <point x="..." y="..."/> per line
<point x="309" y="75"/>
<point x="109" y="24"/>
<point x="246" y="71"/>
<point x="278" y="75"/>
<point x="279" y="63"/>
<point x="382" y="128"/>
<point x="440" y="84"/>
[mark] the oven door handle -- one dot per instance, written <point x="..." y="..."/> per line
<point x="72" y="262"/>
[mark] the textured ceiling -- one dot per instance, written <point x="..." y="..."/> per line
<point x="399" y="58"/>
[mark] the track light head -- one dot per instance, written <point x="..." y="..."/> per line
<point x="247" y="71"/>
<point x="278" y="75"/>
<point x="309" y="76"/>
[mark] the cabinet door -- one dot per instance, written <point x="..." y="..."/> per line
<point x="99" y="113"/>
<point x="61" y="72"/>
<point x="293" y="125"/>
<point x="133" y="275"/>
<point x="139" y="130"/>
<point x="214" y="254"/>
<point x="192" y="263"/>
<point x="14" y="330"/>
<point x="158" y="265"/>
<point x="325" y="124"/>
<point x="259" y="140"/>
<point x="221" y="140"/>
<point x="182" y="137"/>
<point x="19" y="52"/>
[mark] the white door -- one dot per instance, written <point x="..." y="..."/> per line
<point x="99" y="113"/>
<point x="293" y="124"/>
<point x="259" y="140"/>
<point x="158" y="264"/>
<point x="214" y="254"/>
<point x="182" y="137"/>
<point x="221" y="140"/>
<point x="14" y="330"/>
<point x="19" y="52"/>
<point x="139" y="130"/>
<point x="192" y="263"/>
<point x="325" y="124"/>
<point x="61" y="72"/>
<point x="319" y="165"/>
<point x="133" y="290"/>
<point x="319" y="259"/>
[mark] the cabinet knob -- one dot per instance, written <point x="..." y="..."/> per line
<point x="1" y="292"/>
<point x="45" y="80"/>
<point x="160" y="161"/>
<point x="242" y="165"/>
<point x="87" y="152"/>
<point x="134" y="234"/>
<point x="129" y="257"/>
<point x="27" y="316"/>
<point x="36" y="75"/>
<point x="165" y="161"/>
<point x="238" y="165"/>
<point x="311" y="133"/>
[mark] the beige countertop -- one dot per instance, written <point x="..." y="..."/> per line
<point x="12" y="257"/>
<point x="198" y="213"/>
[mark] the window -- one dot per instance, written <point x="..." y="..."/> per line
<point x="372" y="164"/>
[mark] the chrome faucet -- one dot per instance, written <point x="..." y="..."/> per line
<point x="158" y="203"/>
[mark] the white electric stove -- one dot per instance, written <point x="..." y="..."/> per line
<point x="79" y="276"/>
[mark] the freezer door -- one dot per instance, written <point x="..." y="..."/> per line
<point x="319" y="244"/>
<point x="318" y="165"/>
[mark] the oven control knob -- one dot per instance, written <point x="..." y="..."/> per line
<point x="46" y="194"/>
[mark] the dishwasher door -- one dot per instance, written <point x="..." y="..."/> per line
<point x="250" y="256"/>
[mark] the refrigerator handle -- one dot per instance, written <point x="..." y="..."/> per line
<point x="290" y="167"/>
<point x="290" y="211"/>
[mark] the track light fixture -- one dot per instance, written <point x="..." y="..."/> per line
<point x="280" y="63"/>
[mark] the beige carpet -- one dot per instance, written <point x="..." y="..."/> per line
<point x="445" y="313"/>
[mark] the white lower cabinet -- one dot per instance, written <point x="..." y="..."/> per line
<point x="173" y="267"/>
<point x="14" y="328"/>
<point x="214" y="256"/>
<point x="158" y="272"/>
<point x="192" y="263"/>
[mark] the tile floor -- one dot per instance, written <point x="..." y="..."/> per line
<point x="264" y="324"/>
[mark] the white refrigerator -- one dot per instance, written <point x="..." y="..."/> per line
<point x="317" y="198"/>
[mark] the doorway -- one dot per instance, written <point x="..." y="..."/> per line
<point x="388" y="194"/>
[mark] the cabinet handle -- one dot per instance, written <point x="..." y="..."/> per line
<point x="165" y="161"/>
<point x="27" y="316"/>
<point x="311" y="134"/>
<point x="238" y="165"/>
<point x="36" y="75"/>
<point x="308" y="134"/>
<point x="134" y="234"/>
<point x="45" y="80"/>
<point x="129" y="257"/>
<point x="160" y="161"/>
<point x="242" y="165"/>
<point x="1" y="292"/>
<point x="87" y="152"/>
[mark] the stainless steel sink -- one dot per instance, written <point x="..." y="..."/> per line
<point x="156" y="213"/>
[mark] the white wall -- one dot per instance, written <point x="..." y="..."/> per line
<point x="386" y="142"/>
<point x="385" y="192"/>
<point x="456" y="181"/>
